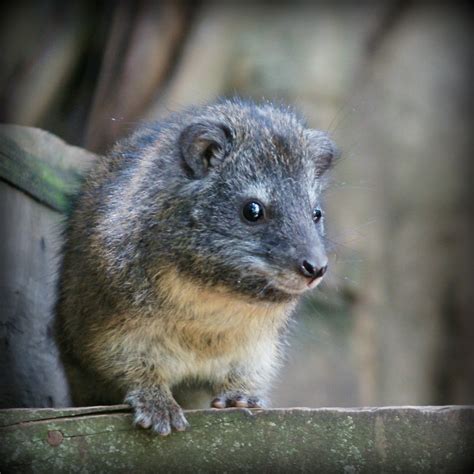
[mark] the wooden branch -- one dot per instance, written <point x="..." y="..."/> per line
<point x="99" y="439"/>
<point x="41" y="164"/>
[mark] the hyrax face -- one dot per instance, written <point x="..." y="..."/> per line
<point x="256" y="222"/>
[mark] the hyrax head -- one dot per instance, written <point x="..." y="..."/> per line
<point x="253" y="179"/>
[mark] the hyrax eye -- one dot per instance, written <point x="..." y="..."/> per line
<point x="317" y="214"/>
<point x="253" y="211"/>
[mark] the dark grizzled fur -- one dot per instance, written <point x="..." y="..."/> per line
<point x="167" y="201"/>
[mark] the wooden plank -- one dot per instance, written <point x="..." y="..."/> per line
<point x="16" y="416"/>
<point x="404" y="439"/>
<point x="41" y="164"/>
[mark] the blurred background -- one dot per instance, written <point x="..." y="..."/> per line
<point x="390" y="80"/>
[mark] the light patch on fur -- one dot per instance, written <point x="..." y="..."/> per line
<point x="203" y="304"/>
<point x="199" y="334"/>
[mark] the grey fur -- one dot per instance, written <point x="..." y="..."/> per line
<point x="164" y="282"/>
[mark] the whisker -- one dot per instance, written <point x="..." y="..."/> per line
<point x="343" y="278"/>
<point x="355" y="229"/>
<point x="339" y="244"/>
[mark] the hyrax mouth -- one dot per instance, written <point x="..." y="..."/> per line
<point x="315" y="282"/>
<point x="298" y="288"/>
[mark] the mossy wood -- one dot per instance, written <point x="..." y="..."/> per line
<point x="102" y="439"/>
<point x="41" y="164"/>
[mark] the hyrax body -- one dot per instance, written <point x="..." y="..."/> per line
<point x="185" y="252"/>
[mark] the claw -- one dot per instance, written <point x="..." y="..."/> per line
<point x="163" y="428"/>
<point x="178" y="421"/>
<point x="218" y="403"/>
<point x="239" y="402"/>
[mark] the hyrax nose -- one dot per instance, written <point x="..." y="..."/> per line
<point x="311" y="270"/>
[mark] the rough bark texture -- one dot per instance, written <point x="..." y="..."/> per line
<point x="37" y="173"/>
<point x="102" y="439"/>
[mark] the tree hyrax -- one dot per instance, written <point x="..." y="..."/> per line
<point x="186" y="251"/>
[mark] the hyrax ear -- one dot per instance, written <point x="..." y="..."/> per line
<point x="203" y="146"/>
<point x="323" y="150"/>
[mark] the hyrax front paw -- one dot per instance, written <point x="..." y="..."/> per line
<point x="156" y="409"/>
<point x="237" y="399"/>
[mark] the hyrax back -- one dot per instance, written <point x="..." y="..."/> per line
<point x="186" y="250"/>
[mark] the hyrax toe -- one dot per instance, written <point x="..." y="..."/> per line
<point x="178" y="420"/>
<point x="239" y="402"/>
<point x="218" y="402"/>
<point x="256" y="402"/>
<point x="161" y="422"/>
